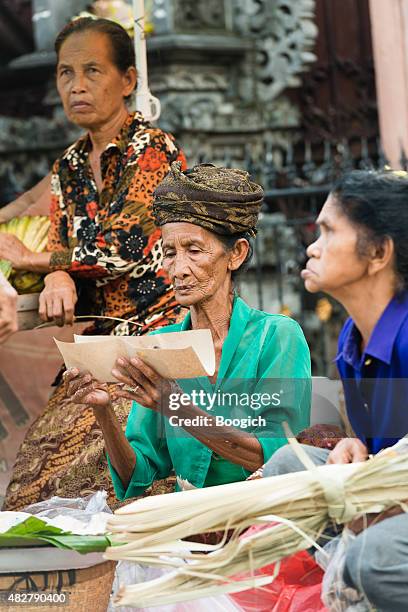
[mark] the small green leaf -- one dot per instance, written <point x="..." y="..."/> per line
<point x="33" y="531"/>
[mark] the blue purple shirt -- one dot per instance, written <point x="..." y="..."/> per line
<point x="376" y="381"/>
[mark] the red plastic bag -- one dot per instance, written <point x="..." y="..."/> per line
<point x="297" y="587"/>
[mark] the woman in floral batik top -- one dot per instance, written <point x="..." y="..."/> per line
<point x="103" y="248"/>
<point x="108" y="239"/>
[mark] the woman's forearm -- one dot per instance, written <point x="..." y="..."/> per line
<point x="121" y="454"/>
<point x="232" y="444"/>
<point x="15" y="209"/>
<point x="38" y="194"/>
<point x="35" y="262"/>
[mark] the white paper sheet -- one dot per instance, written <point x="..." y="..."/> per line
<point x="187" y="354"/>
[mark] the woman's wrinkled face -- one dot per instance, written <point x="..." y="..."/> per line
<point x="91" y="87"/>
<point x="196" y="262"/>
<point x="334" y="264"/>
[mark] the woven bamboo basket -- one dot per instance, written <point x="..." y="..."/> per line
<point x="88" y="588"/>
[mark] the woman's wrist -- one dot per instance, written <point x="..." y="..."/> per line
<point x="59" y="277"/>
<point x="182" y="409"/>
<point x="104" y="414"/>
<point x="34" y="262"/>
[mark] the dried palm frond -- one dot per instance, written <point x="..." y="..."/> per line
<point x="296" y="508"/>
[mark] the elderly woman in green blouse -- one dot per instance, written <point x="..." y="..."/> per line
<point x="208" y="217"/>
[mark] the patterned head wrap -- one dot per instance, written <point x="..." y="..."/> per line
<point x="221" y="200"/>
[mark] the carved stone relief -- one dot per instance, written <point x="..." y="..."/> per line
<point x="170" y="16"/>
<point x="283" y="33"/>
<point x="240" y="93"/>
<point x="227" y="103"/>
<point x="193" y="15"/>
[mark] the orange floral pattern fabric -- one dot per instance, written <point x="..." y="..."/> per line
<point x="108" y="241"/>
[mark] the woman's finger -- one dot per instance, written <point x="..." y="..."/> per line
<point x="68" y="300"/>
<point x="123" y="366"/>
<point x="96" y="397"/>
<point x="42" y="309"/>
<point x="92" y="395"/>
<point x="142" y="399"/>
<point x="49" y="309"/>
<point x="70" y="374"/>
<point x="122" y="378"/>
<point x="150" y="374"/>
<point x="45" y="308"/>
<point x="81" y="381"/>
<point x="155" y="385"/>
<point x="81" y="393"/>
<point x="57" y="311"/>
<point x="68" y="314"/>
<point x="124" y="394"/>
<point x="132" y="371"/>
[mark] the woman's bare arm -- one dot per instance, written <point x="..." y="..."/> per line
<point x="83" y="389"/>
<point x="121" y="454"/>
<point x="234" y="445"/>
<point x="38" y="196"/>
<point x="152" y="391"/>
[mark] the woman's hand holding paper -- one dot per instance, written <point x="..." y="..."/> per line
<point x="83" y="389"/>
<point x="142" y="384"/>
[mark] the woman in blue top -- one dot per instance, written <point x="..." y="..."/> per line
<point x="207" y="216"/>
<point x="361" y="259"/>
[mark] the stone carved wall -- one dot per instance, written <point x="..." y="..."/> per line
<point x="283" y="33"/>
<point x="193" y="15"/>
<point x="222" y="96"/>
<point x="220" y="68"/>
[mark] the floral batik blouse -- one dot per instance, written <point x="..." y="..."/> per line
<point x="107" y="240"/>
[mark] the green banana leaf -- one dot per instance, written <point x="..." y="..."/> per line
<point x="5" y="268"/>
<point x="35" y="532"/>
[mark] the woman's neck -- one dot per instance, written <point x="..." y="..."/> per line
<point x="214" y="314"/>
<point x="104" y="134"/>
<point x="366" y="304"/>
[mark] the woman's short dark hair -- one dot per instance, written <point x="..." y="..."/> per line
<point x="228" y="242"/>
<point x="377" y="204"/>
<point x="123" y="51"/>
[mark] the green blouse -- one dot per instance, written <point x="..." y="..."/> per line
<point x="264" y="357"/>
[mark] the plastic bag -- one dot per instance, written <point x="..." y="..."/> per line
<point x="76" y="507"/>
<point x="131" y="573"/>
<point x="336" y="595"/>
<point x="81" y="515"/>
<point x="296" y="588"/>
<point x="128" y="573"/>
